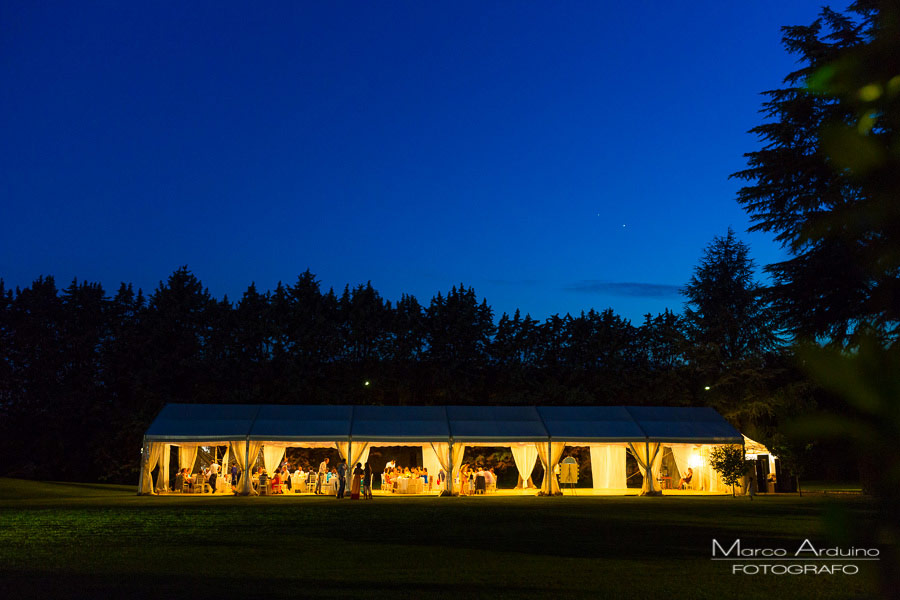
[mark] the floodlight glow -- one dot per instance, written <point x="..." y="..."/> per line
<point x="706" y="388"/>
<point x="695" y="461"/>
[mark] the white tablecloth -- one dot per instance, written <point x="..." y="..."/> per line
<point x="410" y="486"/>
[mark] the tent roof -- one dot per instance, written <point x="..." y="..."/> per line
<point x="203" y="422"/>
<point x="754" y="447"/>
<point x="591" y="423"/>
<point x="297" y="423"/>
<point x="698" y="424"/>
<point x="400" y="423"/>
<point x="496" y="423"/>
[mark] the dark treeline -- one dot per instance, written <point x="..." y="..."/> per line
<point x="84" y="372"/>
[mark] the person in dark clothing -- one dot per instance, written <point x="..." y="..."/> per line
<point x="342" y="478"/>
<point x="367" y="482"/>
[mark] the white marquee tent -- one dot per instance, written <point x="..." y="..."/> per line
<point x="443" y="432"/>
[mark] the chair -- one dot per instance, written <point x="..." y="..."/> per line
<point x="311" y="484"/>
<point x="276" y="487"/>
<point x="264" y="486"/>
<point x="686" y="482"/>
<point x="201" y="484"/>
<point x="180" y="484"/>
<point x="480" y="484"/>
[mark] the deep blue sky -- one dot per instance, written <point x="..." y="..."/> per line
<point x="417" y="145"/>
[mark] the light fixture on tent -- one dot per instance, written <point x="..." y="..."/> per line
<point x="695" y="461"/>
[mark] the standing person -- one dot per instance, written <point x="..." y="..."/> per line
<point x="213" y="474"/>
<point x="235" y="475"/>
<point x="367" y="482"/>
<point x="323" y="468"/>
<point x="354" y="483"/>
<point x="342" y="478"/>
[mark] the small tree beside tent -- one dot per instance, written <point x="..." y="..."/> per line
<point x="728" y="462"/>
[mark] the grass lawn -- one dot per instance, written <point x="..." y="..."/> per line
<point x="62" y="540"/>
<point x="834" y="487"/>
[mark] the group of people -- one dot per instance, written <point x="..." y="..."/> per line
<point x="208" y="474"/>
<point x="360" y="480"/>
<point x="470" y="478"/>
<point x="393" y="474"/>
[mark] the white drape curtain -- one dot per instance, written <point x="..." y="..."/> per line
<point x="226" y="466"/>
<point x="152" y="453"/>
<point x="162" y="479"/>
<point x="272" y="456"/>
<point x="709" y="478"/>
<point x="525" y="458"/>
<point x="649" y="471"/>
<point x="431" y="461"/>
<point x="459" y="451"/>
<point x="239" y="450"/>
<point x="681" y="453"/>
<point x="187" y="456"/>
<point x="342" y="449"/>
<point x="442" y="450"/>
<point x="608" y="467"/>
<point x="550" y="485"/>
<point x="359" y="449"/>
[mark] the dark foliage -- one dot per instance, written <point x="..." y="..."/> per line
<point x="83" y="373"/>
<point x="804" y="184"/>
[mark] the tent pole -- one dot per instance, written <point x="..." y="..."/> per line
<point x="549" y="468"/>
<point x="649" y="468"/>
<point x="244" y="476"/>
<point x="450" y="467"/>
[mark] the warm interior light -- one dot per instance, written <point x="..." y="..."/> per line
<point x="694" y="461"/>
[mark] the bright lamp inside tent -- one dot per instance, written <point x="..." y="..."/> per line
<point x="695" y="461"/>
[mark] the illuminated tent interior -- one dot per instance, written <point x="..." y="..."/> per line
<point x="684" y="435"/>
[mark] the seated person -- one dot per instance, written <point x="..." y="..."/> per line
<point x="686" y="480"/>
<point x="276" y="483"/>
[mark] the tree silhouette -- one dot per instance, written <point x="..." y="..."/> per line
<point x="732" y="332"/>
<point x="798" y="192"/>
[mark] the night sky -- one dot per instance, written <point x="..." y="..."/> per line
<point x="555" y="156"/>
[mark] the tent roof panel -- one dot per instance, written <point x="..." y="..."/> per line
<point x="296" y="422"/>
<point x="500" y="423"/>
<point x="202" y="422"/>
<point x="684" y="423"/>
<point x="590" y="423"/>
<point x="400" y="423"/>
<point x="220" y="422"/>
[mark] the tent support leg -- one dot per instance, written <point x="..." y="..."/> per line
<point x="450" y="468"/>
<point x="245" y="476"/>
<point x="549" y="468"/>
